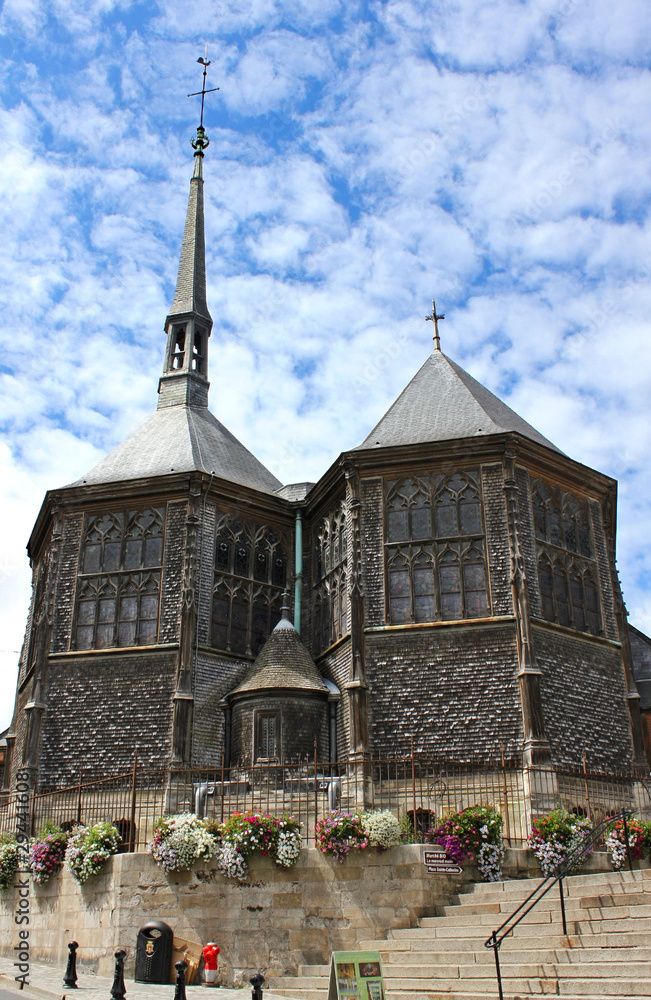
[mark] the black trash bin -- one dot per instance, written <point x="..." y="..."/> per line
<point x="154" y="953"/>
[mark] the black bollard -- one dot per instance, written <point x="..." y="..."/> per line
<point x="70" y="977"/>
<point x="256" y="982"/>
<point x="179" y="989"/>
<point x="118" y="990"/>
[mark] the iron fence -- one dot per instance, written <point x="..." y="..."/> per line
<point x="419" y="791"/>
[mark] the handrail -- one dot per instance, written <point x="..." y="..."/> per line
<point x="563" y="869"/>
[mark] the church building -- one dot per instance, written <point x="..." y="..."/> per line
<point x="449" y="583"/>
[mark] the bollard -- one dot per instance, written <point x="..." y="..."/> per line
<point x="256" y="982"/>
<point x="179" y="989"/>
<point x="70" y="977"/>
<point x="118" y="990"/>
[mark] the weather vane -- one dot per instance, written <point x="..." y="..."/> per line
<point x="205" y="62"/>
<point x="435" y="320"/>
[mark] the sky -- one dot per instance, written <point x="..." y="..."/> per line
<point x="364" y="157"/>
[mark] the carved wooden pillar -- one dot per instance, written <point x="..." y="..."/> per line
<point x="621" y="617"/>
<point x="536" y="745"/>
<point x="356" y="686"/>
<point x="184" y="694"/>
<point x="38" y="652"/>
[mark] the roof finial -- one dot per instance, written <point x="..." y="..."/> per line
<point x="435" y="320"/>
<point x="202" y="141"/>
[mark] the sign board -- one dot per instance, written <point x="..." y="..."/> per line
<point x="437" y="863"/>
<point x="356" y="975"/>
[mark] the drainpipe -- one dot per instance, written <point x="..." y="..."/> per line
<point x="298" y="572"/>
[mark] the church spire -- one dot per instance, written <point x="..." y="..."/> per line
<point x="188" y="325"/>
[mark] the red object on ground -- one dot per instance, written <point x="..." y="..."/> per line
<point x="210" y="953"/>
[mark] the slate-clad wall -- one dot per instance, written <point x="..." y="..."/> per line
<point x="372" y="550"/>
<point x="453" y="688"/>
<point x="173" y="564"/>
<point x="302" y="721"/>
<point x="214" y="676"/>
<point x="66" y="586"/>
<point x="336" y="667"/>
<point x="583" y="699"/>
<point x="100" y="707"/>
<point x="603" y="562"/>
<point x="497" y="539"/>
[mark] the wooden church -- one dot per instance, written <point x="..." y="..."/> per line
<point x="450" y="581"/>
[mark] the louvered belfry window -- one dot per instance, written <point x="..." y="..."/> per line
<point x="118" y="589"/>
<point x="435" y="553"/>
<point x="567" y="569"/>
<point x="250" y="576"/>
<point x="330" y="566"/>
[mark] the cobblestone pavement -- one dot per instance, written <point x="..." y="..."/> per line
<point x="47" y="981"/>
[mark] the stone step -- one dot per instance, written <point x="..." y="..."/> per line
<point x="576" y="884"/>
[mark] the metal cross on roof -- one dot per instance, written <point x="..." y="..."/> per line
<point x="435" y="320"/>
<point x="205" y="62"/>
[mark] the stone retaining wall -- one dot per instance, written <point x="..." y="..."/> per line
<point x="273" y="922"/>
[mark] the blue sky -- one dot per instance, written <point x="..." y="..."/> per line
<point x="364" y="157"/>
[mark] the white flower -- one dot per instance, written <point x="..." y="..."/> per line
<point x="381" y="828"/>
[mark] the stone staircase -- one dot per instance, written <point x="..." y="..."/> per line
<point x="606" y="955"/>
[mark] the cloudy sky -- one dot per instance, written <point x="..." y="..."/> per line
<point x="364" y="157"/>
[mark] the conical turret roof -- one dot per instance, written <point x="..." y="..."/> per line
<point x="443" y="402"/>
<point x="283" y="663"/>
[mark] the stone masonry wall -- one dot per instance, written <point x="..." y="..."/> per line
<point x="99" y="708"/>
<point x="273" y="922"/>
<point x="583" y="699"/>
<point x="453" y="688"/>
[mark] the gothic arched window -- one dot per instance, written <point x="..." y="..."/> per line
<point x="119" y="579"/>
<point x="330" y="596"/>
<point x="438" y="571"/>
<point x="567" y="570"/>
<point x="250" y="576"/>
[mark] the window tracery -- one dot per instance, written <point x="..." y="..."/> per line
<point x="250" y="576"/>
<point x="330" y="598"/>
<point x="567" y="572"/>
<point x="119" y="580"/>
<point x="435" y="552"/>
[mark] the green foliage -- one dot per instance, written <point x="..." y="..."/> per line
<point x="406" y="829"/>
<point x="8" y="859"/>
<point x="89" y="848"/>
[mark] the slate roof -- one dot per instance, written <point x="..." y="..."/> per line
<point x="182" y="439"/>
<point x="283" y="663"/>
<point x="190" y="294"/>
<point x="443" y="402"/>
<point x="641" y="655"/>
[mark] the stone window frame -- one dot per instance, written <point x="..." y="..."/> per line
<point x="260" y="717"/>
<point x="248" y="583"/>
<point x="438" y="569"/>
<point x="117" y="603"/>
<point x="330" y="591"/>
<point x="566" y="562"/>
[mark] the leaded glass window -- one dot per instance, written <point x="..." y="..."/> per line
<point x="250" y="576"/>
<point x="567" y="570"/>
<point x="435" y="551"/>
<point x="119" y="580"/>
<point x="330" y="597"/>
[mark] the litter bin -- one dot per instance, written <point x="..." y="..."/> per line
<point x="154" y="953"/>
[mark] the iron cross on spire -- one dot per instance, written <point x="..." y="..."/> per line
<point x="435" y="320"/>
<point x="205" y="62"/>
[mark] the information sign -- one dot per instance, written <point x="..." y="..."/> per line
<point x="437" y="863"/>
<point x="356" y="975"/>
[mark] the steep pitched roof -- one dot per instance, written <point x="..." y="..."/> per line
<point x="283" y="663"/>
<point x="443" y="402"/>
<point x="190" y="293"/>
<point x="182" y="439"/>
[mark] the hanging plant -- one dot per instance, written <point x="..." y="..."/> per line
<point x="382" y="829"/>
<point x="179" y="841"/>
<point x="555" y="836"/>
<point x="474" y="834"/>
<point x="9" y="858"/>
<point x="339" y="833"/>
<point x="89" y="848"/>
<point x="638" y="834"/>
<point x="47" y="852"/>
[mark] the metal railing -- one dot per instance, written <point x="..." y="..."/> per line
<point x="418" y="789"/>
<point x="565" y="868"/>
